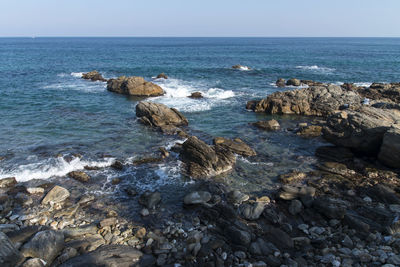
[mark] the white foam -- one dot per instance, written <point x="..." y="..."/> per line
<point x="77" y="74"/>
<point x="51" y="167"/>
<point x="171" y="144"/>
<point x="316" y="68"/>
<point x="269" y="164"/>
<point x="218" y="93"/>
<point x="244" y="68"/>
<point x="363" y="84"/>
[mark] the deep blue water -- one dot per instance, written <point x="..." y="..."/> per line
<point x="46" y="109"/>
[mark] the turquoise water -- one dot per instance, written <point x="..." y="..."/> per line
<point x="46" y="109"/>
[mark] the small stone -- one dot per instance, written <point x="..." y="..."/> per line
<point x="295" y="207"/>
<point x="367" y="199"/>
<point x="144" y="212"/>
<point x="141" y="233"/>
<point x="347" y="242"/>
<point x="117" y="165"/>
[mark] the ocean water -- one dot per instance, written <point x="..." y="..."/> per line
<point x="48" y="113"/>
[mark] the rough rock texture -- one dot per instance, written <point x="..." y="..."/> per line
<point x="389" y="153"/>
<point x="310" y="131"/>
<point x="271" y="125"/>
<point x="9" y="255"/>
<point x="361" y="130"/>
<point x="56" y="195"/>
<point x="202" y="161"/>
<point x="293" y="82"/>
<point x="236" y="145"/>
<point x="94" y="76"/>
<point x="196" y="95"/>
<point x="382" y="91"/>
<point x="316" y="100"/>
<point x="45" y="245"/>
<point x="160" y="116"/>
<point x="7" y="182"/>
<point x="79" y="176"/>
<point x="162" y="76"/>
<point x="280" y="82"/>
<point x="135" y="86"/>
<point x="107" y="256"/>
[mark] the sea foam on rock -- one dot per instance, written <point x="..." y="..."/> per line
<point x="94" y="76"/>
<point x="134" y="86"/>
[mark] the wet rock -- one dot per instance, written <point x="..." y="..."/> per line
<point x="331" y="208"/>
<point x="34" y="262"/>
<point x="160" y="116"/>
<point x="23" y="234"/>
<point x="236" y="145"/>
<point x="384" y="194"/>
<point x="293" y="82"/>
<point x="7" y="182"/>
<point x="79" y="176"/>
<point x="271" y="125"/>
<point x="389" y="153"/>
<point x="203" y="161"/>
<point x="9" y="255"/>
<point x="292" y="192"/>
<point x="162" y="76"/>
<point x="94" y="76"/>
<point x="281" y="82"/>
<point x="252" y="211"/>
<point x="279" y="238"/>
<point x="108" y="222"/>
<point x="196" y="95"/>
<point x="23" y="199"/>
<point x="237" y="236"/>
<point x="150" y="199"/>
<point x="164" y="152"/>
<point x="134" y="86"/>
<point x="389" y="92"/>
<point x="316" y="100"/>
<point x="45" y="245"/>
<point x="107" y="256"/>
<point x="295" y="207"/>
<point x="334" y="153"/>
<point x="310" y="131"/>
<point x="362" y="130"/>
<point x="144" y="212"/>
<point x="197" y="197"/>
<point x="56" y="195"/>
<point x="292" y="177"/>
<point x="117" y="165"/>
<point x="237" y="197"/>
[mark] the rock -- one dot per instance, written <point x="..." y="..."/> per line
<point x="134" y="86"/>
<point x="23" y="234"/>
<point x="94" y="76"/>
<point x="395" y="260"/>
<point x="45" y="245"/>
<point x="67" y="254"/>
<point x="271" y="125"/>
<point x="150" y="199"/>
<point x="252" y="211"/>
<point x="362" y="130"/>
<point x="334" y="153"/>
<point x="197" y="197"/>
<point x="389" y="92"/>
<point x="237" y="236"/>
<point x="35" y="190"/>
<point x="87" y="243"/>
<point x="237" y="197"/>
<point x="107" y="256"/>
<point x="347" y="242"/>
<point x="240" y="67"/>
<point x="160" y="116"/>
<point x="295" y="207"/>
<point x="196" y="95"/>
<point x="279" y="238"/>
<point x="310" y="131"/>
<point x="79" y="176"/>
<point x="34" y="262"/>
<point x="292" y="192"/>
<point x="144" y="212"/>
<point x="331" y="208"/>
<point x="7" y="182"/>
<point x="315" y="100"/>
<point x="312" y="83"/>
<point x="294" y="176"/>
<point x="237" y="146"/>
<point x="162" y="76"/>
<point x="9" y="255"/>
<point x="117" y="165"/>
<point x="384" y="194"/>
<point x="56" y="195"/>
<point x="389" y="153"/>
<point x="203" y="161"/>
<point x="293" y="82"/>
<point x="90" y="229"/>
<point x="108" y="222"/>
<point x="281" y="82"/>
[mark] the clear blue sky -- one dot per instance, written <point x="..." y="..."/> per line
<point x="200" y="18"/>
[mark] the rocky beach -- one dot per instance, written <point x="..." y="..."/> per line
<point x="343" y="211"/>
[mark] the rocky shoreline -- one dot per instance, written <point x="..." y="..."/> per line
<point x="343" y="213"/>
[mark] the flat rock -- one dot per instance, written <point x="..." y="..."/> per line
<point x="236" y="145"/>
<point x="56" y="195"/>
<point x="134" y="86"/>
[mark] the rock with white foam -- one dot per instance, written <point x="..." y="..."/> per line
<point x="240" y="67"/>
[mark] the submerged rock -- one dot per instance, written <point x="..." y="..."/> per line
<point x="94" y="76"/>
<point x="160" y="116"/>
<point x="236" y="145"/>
<point x="134" y="86"/>
<point x="310" y="131"/>
<point x="203" y="161"/>
<point x="271" y="125"/>
<point x="162" y="76"/>
<point x="150" y="199"/>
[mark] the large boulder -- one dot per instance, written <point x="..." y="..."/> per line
<point x="134" y="86"/>
<point x="315" y="100"/>
<point x="160" y="116"/>
<point x="9" y="255"/>
<point x="56" y="195"/>
<point x="94" y="76"/>
<point x="293" y="82"/>
<point x="236" y="145"/>
<point x="389" y="153"/>
<point x="362" y="130"/>
<point x="203" y="161"/>
<point x="7" y="182"/>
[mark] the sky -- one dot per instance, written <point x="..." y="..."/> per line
<point x="217" y="18"/>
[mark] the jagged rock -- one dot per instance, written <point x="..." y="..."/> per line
<point x="107" y="256"/>
<point x="150" y="199"/>
<point x="56" y="195"/>
<point x="160" y="116"/>
<point x="202" y="161"/>
<point x="94" y="76"/>
<point x="271" y="125"/>
<point x="7" y="182"/>
<point x="293" y="82"/>
<point x="9" y="255"/>
<point x="281" y="82"/>
<point x="382" y="91"/>
<point x="315" y="100"/>
<point x="310" y="131"/>
<point x="362" y="130"/>
<point x="134" y="86"/>
<point x="197" y="197"/>
<point x="311" y="83"/>
<point x="117" y="165"/>
<point x="236" y="145"/>
<point x="389" y="153"/>
<point x="79" y="176"/>
<point x="162" y="76"/>
<point x="196" y="95"/>
<point x="45" y="245"/>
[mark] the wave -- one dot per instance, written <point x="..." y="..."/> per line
<point x="316" y="68"/>
<point x="77" y="74"/>
<point x="363" y="84"/>
<point x="51" y="167"/>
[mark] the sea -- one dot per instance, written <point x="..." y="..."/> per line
<point x="53" y="122"/>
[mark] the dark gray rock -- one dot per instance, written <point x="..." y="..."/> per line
<point x="150" y="199"/>
<point x="9" y="255"/>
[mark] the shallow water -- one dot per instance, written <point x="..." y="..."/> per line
<point x="46" y="109"/>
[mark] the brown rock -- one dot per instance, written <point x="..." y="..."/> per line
<point x="79" y="176"/>
<point x="310" y="131"/>
<point x="94" y="76"/>
<point x="162" y="76"/>
<point x="293" y="82"/>
<point x="56" y="195"/>
<point x="271" y="125"/>
<point x="237" y="146"/>
<point x="7" y="182"/>
<point x="135" y="86"/>
<point x="281" y="82"/>
<point x="196" y="95"/>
